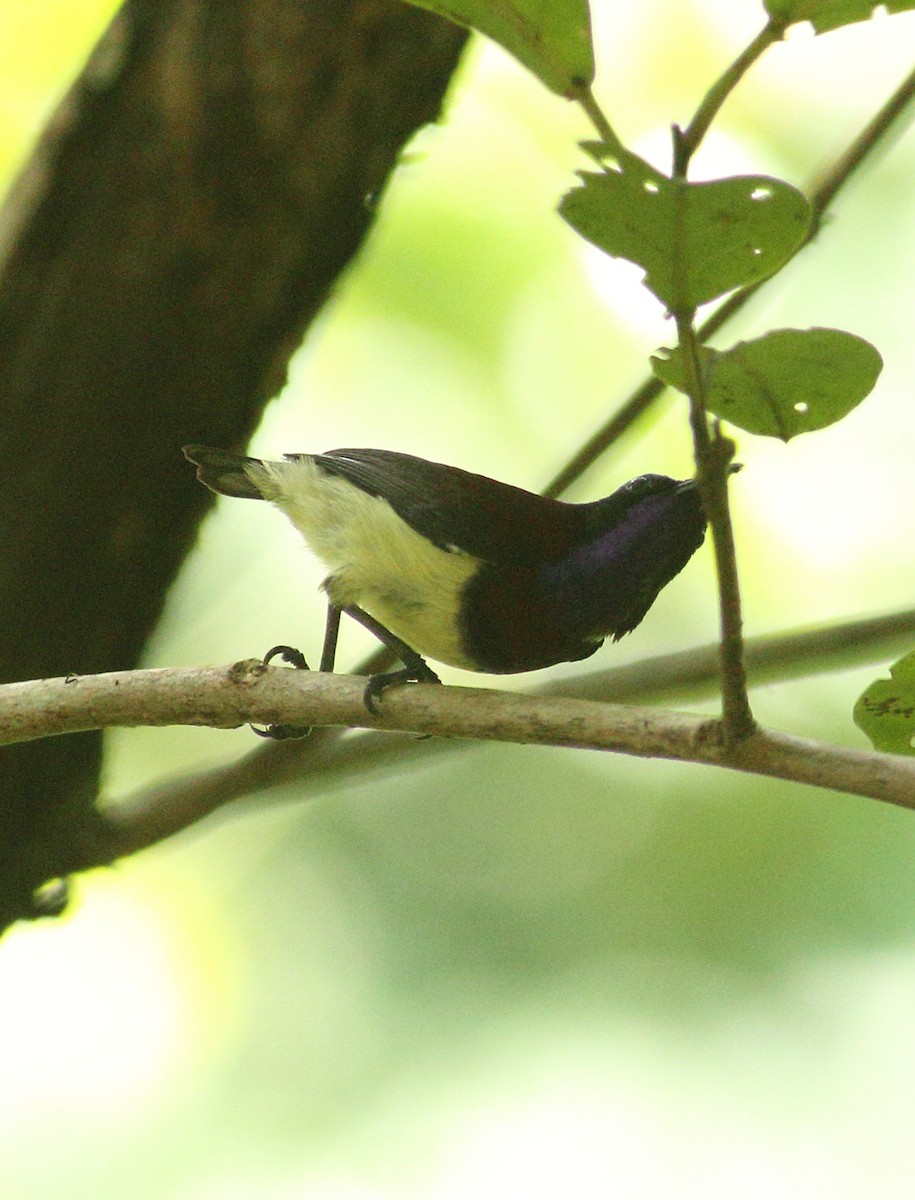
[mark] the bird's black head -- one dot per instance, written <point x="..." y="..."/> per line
<point x="629" y="546"/>
<point x="641" y="537"/>
<point x="645" y="493"/>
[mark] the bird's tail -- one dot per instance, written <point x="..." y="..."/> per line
<point x="223" y="472"/>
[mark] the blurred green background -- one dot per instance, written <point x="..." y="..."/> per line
<point x="514" y="972"/>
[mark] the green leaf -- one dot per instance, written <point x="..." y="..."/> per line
<point x="886" y="710"/>
<point x="787" y="382"/>
<point x="830" y="14"/>
<point x="552" y="38"/>
<point x="696" y="241"/>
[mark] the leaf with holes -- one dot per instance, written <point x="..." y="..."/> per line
<point x="696" y="241"/>
<point x="825" y="15"/>
<point x="787" y="382"/>
<point x="886" y="710"/>
<point x="552" y="38"/>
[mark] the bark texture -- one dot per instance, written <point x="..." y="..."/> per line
<point x="181" y="222"/>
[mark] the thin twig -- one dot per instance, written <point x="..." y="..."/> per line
<point x="691" y="137"/>
<point x="249" y="691"/>
<point x="597" y="117"/>
<point x="332" y="755"/>
<point x="337" y="755"/>
<point x="713" y="458"/>
<point x="687" y="675"/>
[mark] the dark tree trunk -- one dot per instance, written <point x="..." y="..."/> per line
<point x="182" y="221"/>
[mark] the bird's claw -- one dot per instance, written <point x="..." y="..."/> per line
<point x="289" y="654"/>
<point x="379" y="684"/>
<point x="285" y="733"/>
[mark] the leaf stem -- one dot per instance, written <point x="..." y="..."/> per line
<point x="585" y="97"/>
<point x="689" y="140"/>
<point x="714" y="455"/>
<point x="713" y="458"/>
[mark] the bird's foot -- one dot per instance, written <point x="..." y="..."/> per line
<point x="288" y="654"/>
<point x="417" y="672"/>
<point x="283" y="733"/>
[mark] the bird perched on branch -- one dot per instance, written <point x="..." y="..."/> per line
<point x="441" y="563"/>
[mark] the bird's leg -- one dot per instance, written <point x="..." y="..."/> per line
<point x="416" y="670"/>
<point x="295" y="658"/>
<point x="331" y="629"/>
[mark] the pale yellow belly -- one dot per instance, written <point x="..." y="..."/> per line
<point x="375" y="560"/>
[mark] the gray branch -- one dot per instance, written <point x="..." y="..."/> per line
<point x="227" y="697"/>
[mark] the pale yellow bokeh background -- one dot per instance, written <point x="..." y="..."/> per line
<point x="515" y="972"/>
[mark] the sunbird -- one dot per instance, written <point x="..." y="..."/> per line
<point x="441" y="563"/>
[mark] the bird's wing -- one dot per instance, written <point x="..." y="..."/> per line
<point x="456" y="509"/>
